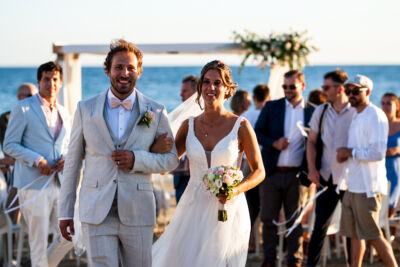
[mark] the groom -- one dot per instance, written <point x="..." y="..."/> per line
<point x="113" y="132"/>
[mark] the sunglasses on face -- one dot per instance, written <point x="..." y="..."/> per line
<point x="25" y="95"/>
<point x="355" y="91"/>
<point x="291" y="87"/>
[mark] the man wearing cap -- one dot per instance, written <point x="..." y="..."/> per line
<point x="364" y="175"/>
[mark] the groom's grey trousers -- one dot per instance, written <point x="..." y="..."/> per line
<point x="106" y="241"/>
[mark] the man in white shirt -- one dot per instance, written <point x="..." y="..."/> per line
<point x="364" y="175"/>
<point x="260" y="97"/>
<point x="283" y="148"/>
<point x="331" y="122"/>
<point x="37" y="137"/>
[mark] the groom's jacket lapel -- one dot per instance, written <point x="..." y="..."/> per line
<point x="143" y="106"/>
<point x="98" y="116"/>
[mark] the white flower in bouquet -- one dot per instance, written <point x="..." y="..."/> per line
<point x="288" y="45"/>
<point x="218" y="183"/>
<point x="264" y="47"/>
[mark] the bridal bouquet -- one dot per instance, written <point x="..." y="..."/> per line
<point x="221" y="180"/>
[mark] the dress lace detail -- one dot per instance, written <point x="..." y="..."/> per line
<point x="195" y="237"/>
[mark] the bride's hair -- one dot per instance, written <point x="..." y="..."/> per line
<point x="226" y="75"/>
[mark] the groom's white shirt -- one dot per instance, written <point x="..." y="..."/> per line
<point x="118" y="117"/>
<point x="91" y="141"/>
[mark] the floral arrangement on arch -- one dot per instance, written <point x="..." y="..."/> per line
<point x="287" y="48"/>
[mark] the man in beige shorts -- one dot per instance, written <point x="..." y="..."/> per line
<point x="364" y="176"/>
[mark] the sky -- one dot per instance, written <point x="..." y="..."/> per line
<point x="346" y="32"/>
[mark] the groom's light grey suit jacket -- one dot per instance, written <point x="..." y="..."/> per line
<point x="92" y="141"/>
<point x="28" y="136"/>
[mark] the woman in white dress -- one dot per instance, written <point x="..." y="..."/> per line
<point x="194" y="236"/>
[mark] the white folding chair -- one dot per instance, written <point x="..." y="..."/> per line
<point x="333" y="229"/>
<point x="6" y="225"/>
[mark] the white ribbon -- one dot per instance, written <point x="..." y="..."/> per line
<point x="291" y="218"/>
<point x="50" y="178"/>
<point x="298" y="220"/>
<point x="304" y="130"/>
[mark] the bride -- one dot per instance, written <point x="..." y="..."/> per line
<point x="195" y="237"/>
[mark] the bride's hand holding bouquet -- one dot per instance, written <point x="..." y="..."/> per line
<point x="222" y="182"/>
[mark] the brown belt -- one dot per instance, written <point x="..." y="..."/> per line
<point x="287" y="169"/>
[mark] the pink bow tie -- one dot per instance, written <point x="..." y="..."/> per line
<point x="116" y="103"/>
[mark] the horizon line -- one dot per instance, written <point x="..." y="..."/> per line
<point x="231" y="65"/>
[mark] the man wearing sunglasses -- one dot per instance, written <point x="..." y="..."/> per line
<point x="282" y="152"/>
<point x="364" y="177"/>
<point x="331" y="122"/>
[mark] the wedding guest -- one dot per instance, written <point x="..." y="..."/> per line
<point x="391" y="106"/>
<point x="330" y="123"/>
<point x="316" y="97"/>
<point x="24" y="90"/>
<point x="181" y="173"/>
<point x="364" y="177"/>
<point x="283" y="148"/>
<point x="113" y="132"/>
<point x="260" y="97"/>
<point x="240" y="102"/>
<point x="37" y="137"/>
<point x="188" y="87"/>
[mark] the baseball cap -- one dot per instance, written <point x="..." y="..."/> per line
<point x="360" y="81"/>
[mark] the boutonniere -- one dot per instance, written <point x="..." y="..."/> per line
<point x="147" y="118"/>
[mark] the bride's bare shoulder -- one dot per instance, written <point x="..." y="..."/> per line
<point x="245" y="128"/>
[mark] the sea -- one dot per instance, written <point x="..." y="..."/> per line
<point x="163" y="83"/>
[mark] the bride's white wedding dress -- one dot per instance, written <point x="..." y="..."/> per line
<point x="194" y="236"/>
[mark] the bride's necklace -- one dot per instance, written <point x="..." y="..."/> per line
<point x="211" y="125"/>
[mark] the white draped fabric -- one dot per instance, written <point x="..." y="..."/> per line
<point x="275" y="80"/>
<point x="187" y="109"/>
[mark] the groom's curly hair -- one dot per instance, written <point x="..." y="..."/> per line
<point x="120" y="45"/>
<point x="226" y="76"/>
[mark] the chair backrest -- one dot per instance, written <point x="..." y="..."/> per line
<point x="384" y="212"/>
<point x="335" y="222"/>
<point x="3" y="188"/>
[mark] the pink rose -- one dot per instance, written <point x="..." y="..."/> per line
<point x="228" y="179"/>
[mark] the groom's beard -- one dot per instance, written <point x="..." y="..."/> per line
<point x="123" y="89"/>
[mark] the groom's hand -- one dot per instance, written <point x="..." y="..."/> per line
<point x="123" y="158"/>
<point x="64" y="225"/>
